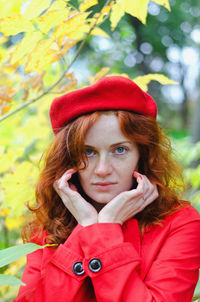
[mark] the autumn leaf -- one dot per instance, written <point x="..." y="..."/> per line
<point x="97" y="31"/>
<point x="71" y="84"/>
<point x="7" y="69"/>
<point x="143" y="81"/>
<point x="58" y="5"/>
<point x="41" y="56"/>
<point x="36" y="7"/>
<point x="67" y="45"/>
<point x="136" y="8"/>
<point x="164" y="3"/>
<point x="9" y="8"/>
<point x="8" y="159"/>
<point x="36" y="82"/>
<point x="71" y="28"/>
<point x="52" y="18"/>
<point x="18" y="186"/>
<point x="25" y="46"/>
<point x="99" y="75"/>
<point x="15" y="24"/>
<point x="6" y="94"/>
<point x="14" y="222"/>
<point x="5" y="211"/>
<point x="117" y="12"/>
<point x="87" y="4"/>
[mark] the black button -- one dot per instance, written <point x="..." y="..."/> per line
<point x="78" y="269"/>
<point x="95" y="265"/>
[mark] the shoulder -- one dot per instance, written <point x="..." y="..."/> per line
<point x="185" y="217"/>
<point x="187" y="212"/>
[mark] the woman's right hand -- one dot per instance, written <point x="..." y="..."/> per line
<point x="83" y="211"/>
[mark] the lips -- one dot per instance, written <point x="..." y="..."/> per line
<point x="104" y="186"/>
<point x="104" y="183"/>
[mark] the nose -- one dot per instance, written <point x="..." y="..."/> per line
<point x="103" y="166"/>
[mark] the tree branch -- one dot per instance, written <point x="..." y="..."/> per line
<point x="26" y="104"/>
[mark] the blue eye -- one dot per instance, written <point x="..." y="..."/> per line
<point x="120" y="150"/>
<point x="89" y="152"/>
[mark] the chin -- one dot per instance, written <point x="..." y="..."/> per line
<point x="102" y="199"/>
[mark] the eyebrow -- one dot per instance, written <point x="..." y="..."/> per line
<point x="113" y="145"/>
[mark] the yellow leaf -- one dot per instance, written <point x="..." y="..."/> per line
<point x="72" y="25"/>
<point x="99" y="75"/>
<point x="7" y="69"/>
<point x="99" y="17"/>
<point x="164" y="3"/>
<point x="136" y="8"/>
<point x="3" y="40"/>
<point x="8" y="8"/>
<point x="15" y="24"/>
<point x="40" y="56"/>
<point x="6" y="94"/>
<point x="68" y="45"/>
<point x="97" y="31"/>
<point x="36" y="7"/>
<point x="143" y="81"/>
<point x="3" y="54"/>
<point x="52" y="18"/>
<point x="71" y="84"/>
<point x="25" y="46"/>
<point x="117" y="13"/>
<point x="6" y="109"/>
<point x="59" y="4"/>
<point x="8" y="159"/>
<point x="5" y="211"/>
<point x="13" y="223"/>
<point x="87" y="4"/>
<point x="106" y="9"/>
<point x="19" y="186"/>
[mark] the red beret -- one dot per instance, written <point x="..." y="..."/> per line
<point x="108" y="93"/>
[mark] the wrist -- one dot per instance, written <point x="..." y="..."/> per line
<point x="106" y="219"/>
<point x="88" y="222"/>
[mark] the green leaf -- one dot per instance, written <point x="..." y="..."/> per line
<point x="11" y="254"/>
<point x="10" y="280"/>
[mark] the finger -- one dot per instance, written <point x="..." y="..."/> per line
<point x="73" y="187"/>
<point x="139" y="191"/>
<point x="152" y="195"/>
<point x="69" y="173"/>
<point x="142" y="184"/>
<point x="148" y="187"/>
<point x="66" y="177"/>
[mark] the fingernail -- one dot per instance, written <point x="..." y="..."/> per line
<point x="136" y="171"/>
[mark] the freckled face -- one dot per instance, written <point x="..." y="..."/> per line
<point x="112" y="158"/>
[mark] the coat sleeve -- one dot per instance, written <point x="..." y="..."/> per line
<point x="114" y="265"/>
<point x="48" y="274"/>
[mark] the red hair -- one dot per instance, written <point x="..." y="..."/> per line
<point x="68" y="151"/>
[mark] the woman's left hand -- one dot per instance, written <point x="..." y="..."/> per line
<point x="127" y="204"/>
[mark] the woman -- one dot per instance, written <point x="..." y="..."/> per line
<point x="121" y="235"/>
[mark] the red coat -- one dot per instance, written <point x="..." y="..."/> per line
<point x="161" y="266"/>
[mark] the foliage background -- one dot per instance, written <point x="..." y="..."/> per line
<point x="42" y="56"/>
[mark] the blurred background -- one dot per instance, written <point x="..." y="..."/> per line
<point x="168" y="44"/>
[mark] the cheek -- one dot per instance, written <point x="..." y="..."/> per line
<point x="83" y="178"/>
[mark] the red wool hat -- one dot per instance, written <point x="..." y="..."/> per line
<point x="109" y="93"/>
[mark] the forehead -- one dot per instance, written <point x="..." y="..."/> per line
<point x="105" y="129"/>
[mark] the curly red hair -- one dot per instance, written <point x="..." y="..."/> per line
<point x="68" y="151"/>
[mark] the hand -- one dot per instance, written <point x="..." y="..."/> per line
<point x="128" y="204"/>
<point x="83" y="211"/>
